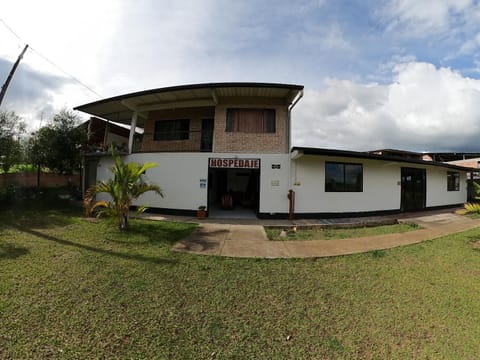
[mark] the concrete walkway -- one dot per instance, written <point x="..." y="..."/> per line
<point x="250" y="241"/>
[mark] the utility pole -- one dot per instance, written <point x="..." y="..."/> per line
<point x="10" y="76"/>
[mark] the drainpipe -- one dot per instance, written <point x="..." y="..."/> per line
<point x="291" y="193"/>
<point x="133" y="126"/>
<point x="289" y="116"/>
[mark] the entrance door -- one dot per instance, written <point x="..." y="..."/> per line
<point x="233" y="193"/>
<point x="413" y="189"/>
<point x="207" y="135"/>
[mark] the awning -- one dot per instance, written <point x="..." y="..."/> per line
<point x="120" y="108"/>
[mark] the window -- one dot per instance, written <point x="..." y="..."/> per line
<point x="251" y="120"/>
<point x="172" y="129"/>
<point x="342" y="177"/>
<point x="453" y="181"/>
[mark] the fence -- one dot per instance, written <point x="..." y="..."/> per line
<point x="47" y="180"/>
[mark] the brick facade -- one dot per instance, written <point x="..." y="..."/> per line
<point x="196" y="115"/>
<point x="267" y="143"/>
<point x="228" y="142"/>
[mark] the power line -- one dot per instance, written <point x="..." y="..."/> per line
<point x="50" y="61"/>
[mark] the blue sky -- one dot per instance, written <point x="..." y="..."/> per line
<point x="377" y="74"/>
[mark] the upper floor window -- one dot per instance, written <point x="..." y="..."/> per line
<point x="172" y="129"/>
<point x="251" y="120"/>
<point x="453" y="181"/>
<point x="343" y="177"/>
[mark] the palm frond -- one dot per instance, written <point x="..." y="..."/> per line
<point x="126" y="185"/>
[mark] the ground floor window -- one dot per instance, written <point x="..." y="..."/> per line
<point x="453" y="181"/>
<point x="343" y="177"/>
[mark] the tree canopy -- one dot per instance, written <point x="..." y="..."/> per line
<point x="11" y="128"/>
<point x="57" y="145"/>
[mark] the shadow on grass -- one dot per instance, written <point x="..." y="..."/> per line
<point x="152" y="233"/>
<point x="11" y="251"/>
<point x="149" y="259"/>
<point x="37" y="218"/>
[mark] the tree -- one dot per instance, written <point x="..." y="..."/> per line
<point x="126" y="185"/>
<point x="57" y="145"/>
<point x="11" y="128"/>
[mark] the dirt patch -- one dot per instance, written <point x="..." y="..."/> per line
<point x="476" y="244"/>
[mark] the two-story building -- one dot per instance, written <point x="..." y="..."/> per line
<point x="227" y="146"/>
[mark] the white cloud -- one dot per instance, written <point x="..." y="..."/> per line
<point x="471" y="45"/>
<point x="424" y="108"/>
<point x="425" y="17"/>
<point x="322" y="37"/>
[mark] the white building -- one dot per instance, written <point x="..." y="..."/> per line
<point x="225" y="145"/>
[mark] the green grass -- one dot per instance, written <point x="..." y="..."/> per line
<point x="71" y="289"/>
<point x="339" y="233"/>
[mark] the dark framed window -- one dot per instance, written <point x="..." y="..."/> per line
<point x="251" y="120"/>
<point x="453" y="181"/>
<point x="172" y="130"/>
<point x="343" y="177"/>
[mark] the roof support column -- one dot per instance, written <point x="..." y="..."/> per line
<point x="133" y="126"/>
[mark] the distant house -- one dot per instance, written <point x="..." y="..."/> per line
<point x="102" y="135"/>
<point x="227" y="146"/>
<point x="403" y="153"/>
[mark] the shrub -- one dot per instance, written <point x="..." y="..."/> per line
<point x="472" y="208"/>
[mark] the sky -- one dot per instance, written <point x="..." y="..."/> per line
<point x="401" y="74"/>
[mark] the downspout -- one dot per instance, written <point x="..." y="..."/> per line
<point x="291" y="193"/>
<point x="289" y="142"/>
<point x="133" y="127"/>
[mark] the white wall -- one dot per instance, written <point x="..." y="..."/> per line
<point x="381" y="186"/>
<point x="274" y="184"/>
<point x="437" y="194"/>
<point x="179" y="175"/>
<point x="381" y="190"/>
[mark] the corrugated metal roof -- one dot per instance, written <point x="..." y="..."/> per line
<point x="369" y="156"/>
<point x="120" y="108"/>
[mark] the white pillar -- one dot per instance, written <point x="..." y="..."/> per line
<point x="133" y="126"/>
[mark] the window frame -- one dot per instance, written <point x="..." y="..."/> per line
<point x="271" y="125"/>
<point x="176" y="135"/>
<point x="344" y="166"/>
<point x="453" y="185"/>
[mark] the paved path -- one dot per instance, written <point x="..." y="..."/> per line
<point x="250" y="241"/>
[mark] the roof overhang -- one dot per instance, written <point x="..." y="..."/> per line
<point x="121" y="108"/>
<point x="298" y="152"/>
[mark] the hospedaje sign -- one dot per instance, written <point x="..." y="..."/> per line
<point x="233" y="163"/>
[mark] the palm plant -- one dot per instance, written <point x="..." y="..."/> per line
<point x="126" y="185"/>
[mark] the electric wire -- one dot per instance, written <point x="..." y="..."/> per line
<point x="49" y="61"/>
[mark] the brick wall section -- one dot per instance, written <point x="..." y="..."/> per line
<point x="46" y="180"/>
<point x="192" y="144"/>
<point x="228" y="142"/>
<point x="247" y="142"/>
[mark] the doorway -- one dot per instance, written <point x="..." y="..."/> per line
<point x="206" y="142"/>
<point x="90" y="172"/>
<point x="413" y="192"/>
<point x="233" y="193"/>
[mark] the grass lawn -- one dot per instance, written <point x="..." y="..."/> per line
<point x="70" y="288"/>
<point x="339" y="233"/>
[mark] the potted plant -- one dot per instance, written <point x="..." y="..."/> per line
<point x="202" y="212"/>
